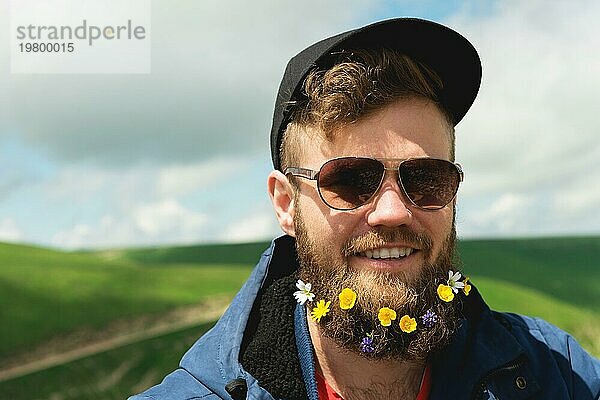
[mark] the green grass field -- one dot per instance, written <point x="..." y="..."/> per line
<point x="565" y="268"/>
<point x="46" y="293"/>
<point x="557" y="279"/>
<point x="114" y="374"/>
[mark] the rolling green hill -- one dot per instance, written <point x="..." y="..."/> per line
<point x="114" y="374"/>
<point x="214" y="254"/>
<point x="47" y="292"/>
<point x="567" y="269"/>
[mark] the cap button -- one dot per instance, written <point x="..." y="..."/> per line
<point x="521" y="382"/>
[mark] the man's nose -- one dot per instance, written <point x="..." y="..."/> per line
<point x="388" y="207"/>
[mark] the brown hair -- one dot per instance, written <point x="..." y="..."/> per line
<point x="359" y="84"/>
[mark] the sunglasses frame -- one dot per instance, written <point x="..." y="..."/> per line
<point x="314" y="175"/>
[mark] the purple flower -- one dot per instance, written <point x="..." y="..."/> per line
<point x="429" y="319"/>
<point x="366" y="346"/>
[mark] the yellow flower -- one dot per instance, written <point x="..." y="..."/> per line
<point x="386" y="316"/>
<point x="445" y="293"/>
<point x="320" y="310"/>
<point x="347" y="299"/>
<point x="467" y="287"/>
<point x="408" y="324"/>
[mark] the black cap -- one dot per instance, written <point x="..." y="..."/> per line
<point x="445" y="51"/>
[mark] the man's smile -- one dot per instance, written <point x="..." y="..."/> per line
<point x="396" y="258"/>
<point x="387" y="252"/>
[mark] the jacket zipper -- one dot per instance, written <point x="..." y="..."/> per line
<point x="478" y="391"/>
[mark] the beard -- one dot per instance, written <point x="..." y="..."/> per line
<point x="327" y="269"/>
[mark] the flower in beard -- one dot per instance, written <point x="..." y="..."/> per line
<point x="429" y="319"/>
<point x="304" y="293"/>
<point x="467" y="287"/>
<point x="320" y="310"/>
<point x="454" y="281"/>
<point x="386" y="316"/>
<point x="408" y="324"/>
<point x="445" y="293"/>
<point x="366" y="345"/>
<point x="347" y="298"/>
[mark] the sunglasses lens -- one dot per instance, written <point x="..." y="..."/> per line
<point x="429" y="183"/>
<point x="347" y="183"/>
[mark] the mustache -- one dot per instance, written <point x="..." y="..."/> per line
<point x="384" y="236"/>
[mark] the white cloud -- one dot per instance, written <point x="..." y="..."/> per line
<point x="533" y="129"/>
<point x="4" y="67"/>
<point x="257" y="226"/>
<point x="578" y="198"/>
<point x="82" y="183"/>
<point x="78" y="184"/>
<point x="535" y="113"/>
<point x="10" y="231"/>
<point x="166" y="217"/>
<point x="210" y="93"/>
<point x="506" y="215"/>
<point x="166" y="221"/>
<point x="179" y="180"/>
<point x="143" y="204"/>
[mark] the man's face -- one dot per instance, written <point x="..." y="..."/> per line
<point x="332" y="245"/>
<point x="406" y="129"/>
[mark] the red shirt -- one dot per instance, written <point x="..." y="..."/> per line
<point x="327" y="393"/>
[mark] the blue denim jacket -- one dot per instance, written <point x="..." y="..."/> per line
<point x="493" y="356"/>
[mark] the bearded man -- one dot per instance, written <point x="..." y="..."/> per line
<point x="363" y="298"/>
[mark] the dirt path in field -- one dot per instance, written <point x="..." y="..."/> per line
<point x="86" y="342"/>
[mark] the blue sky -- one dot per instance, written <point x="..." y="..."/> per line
<point x="181" y="155"/>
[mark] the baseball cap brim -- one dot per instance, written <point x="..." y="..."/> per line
<point x="442" y="49"/>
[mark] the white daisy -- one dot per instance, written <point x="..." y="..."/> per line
<point x="304" y="293"/>
<point x="454" y="281"/>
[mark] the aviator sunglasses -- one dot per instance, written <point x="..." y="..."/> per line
<point x="347" y="183"/>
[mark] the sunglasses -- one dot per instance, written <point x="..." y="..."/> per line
<point x="347" y="183"/>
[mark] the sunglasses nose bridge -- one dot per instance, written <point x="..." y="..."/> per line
<point x="391" y="181"/>
<point x="395" y="172"/>
<point x="389" y="205"/>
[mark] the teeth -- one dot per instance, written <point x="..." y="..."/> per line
<point x="393" y="252"/>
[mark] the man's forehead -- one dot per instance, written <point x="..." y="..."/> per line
<point x="406" y="128"/>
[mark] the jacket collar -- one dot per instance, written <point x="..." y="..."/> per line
<point x="223" y="342"/>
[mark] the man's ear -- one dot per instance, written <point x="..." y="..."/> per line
<point x="282" y="196"/>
